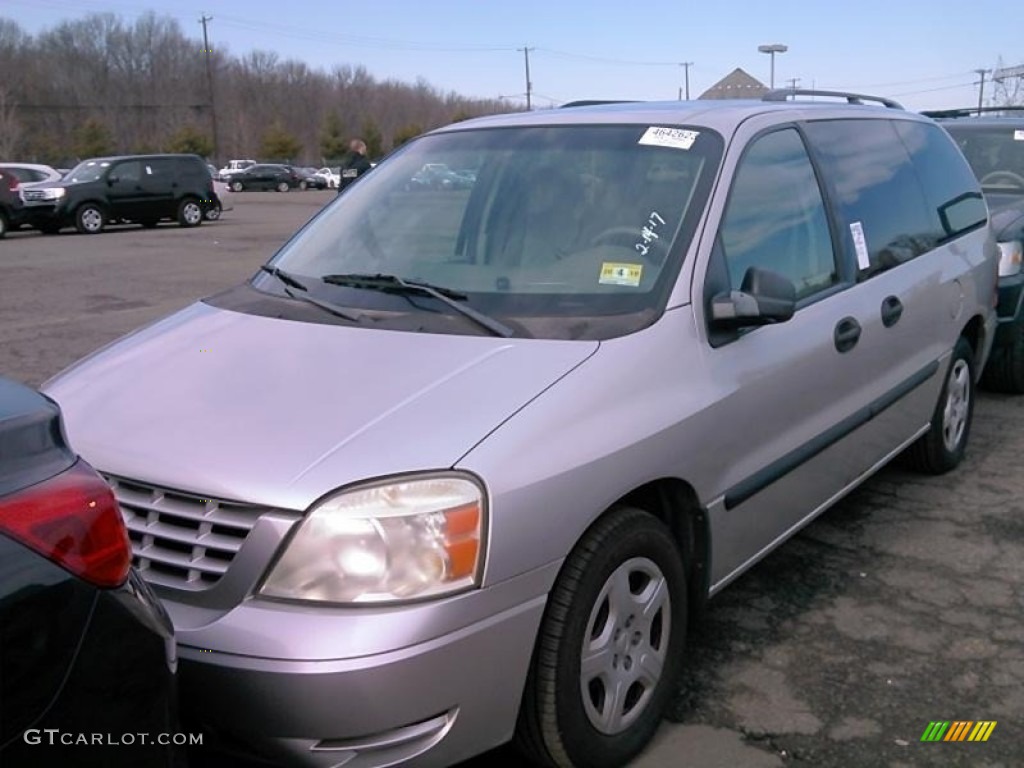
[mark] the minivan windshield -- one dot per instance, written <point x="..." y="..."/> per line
<point x="565" y="231"/>
<point x="995" y="153"/>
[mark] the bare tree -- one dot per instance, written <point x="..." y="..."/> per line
<point x="10" y="127"/>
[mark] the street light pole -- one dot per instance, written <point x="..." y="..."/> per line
<point x="772" y="49"/>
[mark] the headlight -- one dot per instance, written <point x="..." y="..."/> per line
<point x="53" y="193"/>
<point x="1011" y="254"/>
<point x="399" y="540"/>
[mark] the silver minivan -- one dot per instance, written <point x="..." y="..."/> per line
<point x="458" y="465"/>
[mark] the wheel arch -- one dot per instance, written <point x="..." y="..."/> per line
<point x="974" y="333"/>
<point x="675" y="502"/>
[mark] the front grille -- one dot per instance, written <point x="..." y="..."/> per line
<point x="180" y="540"/>
<point x="33" y="195"/>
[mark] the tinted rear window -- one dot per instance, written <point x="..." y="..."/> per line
<point x="954" y="197"/>
<point x="877" y="190"/>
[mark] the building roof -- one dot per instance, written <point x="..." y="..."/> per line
<point x="736" y="85"/>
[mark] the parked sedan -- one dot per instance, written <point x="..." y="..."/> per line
<point x="264" y="177"/>
<point x="310" y="178"/>
<point x="85" y="647"/>
<point x="31" y="173"/>
<point x="331" y="175"/>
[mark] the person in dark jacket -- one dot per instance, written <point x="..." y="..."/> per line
<point x="356" y="165"/>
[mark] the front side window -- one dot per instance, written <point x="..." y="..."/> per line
<point x="880" y="197"/>
<point x="551" y="228"/>
<point x="776" y="219"/>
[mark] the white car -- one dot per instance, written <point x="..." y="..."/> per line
<point x="31" y="175"/>
<point x="331" y="175"/>
<point x="233" y="167"/>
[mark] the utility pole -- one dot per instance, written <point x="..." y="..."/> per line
<point x="793" y="83"/>
<point x="686" y="67"/>
<point x="981" y="87"/>
<point x="209" y="85"/>
<point x="529" y="85"/>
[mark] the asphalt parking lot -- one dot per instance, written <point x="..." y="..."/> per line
<point x="902" y="605"/>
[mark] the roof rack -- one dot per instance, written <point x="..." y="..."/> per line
<point x="968" y="111"/>
<point x="596" y="102"/>
<point x="782" y="94"/>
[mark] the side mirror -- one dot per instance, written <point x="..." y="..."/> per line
<point x="764" y="298"/>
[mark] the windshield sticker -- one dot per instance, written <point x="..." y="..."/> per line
<point x="649" y="233"/>
<point x="1018" y="135"/>
<point x="676" y="138"/>
<point x="613" y="273"/>
<point x="860" y="245"/>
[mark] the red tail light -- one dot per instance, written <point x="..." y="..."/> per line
<point x="73" y="520"/>
<point x="12" y="183"/>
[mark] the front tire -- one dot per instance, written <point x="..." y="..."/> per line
<point x="302" y="185"/>
<point x="236" y="186"/>
<point x="213" y="213"/>
<point x="1004" y="371"/>
<point x="4" y="225"/>
<point x="90" y="219"/>
<point x="609" y="648"/>
<point x="942" y="447"/>
<point x="282" y="186"/>
<point x="190" y="212"/>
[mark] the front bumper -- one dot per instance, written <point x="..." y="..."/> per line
<point x="423" y="684"/>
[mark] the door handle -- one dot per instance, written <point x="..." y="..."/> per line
<point x="892" y="311"/>
<point x="847" y="334"/>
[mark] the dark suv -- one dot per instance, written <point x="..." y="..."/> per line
<point x="138" y="188"/>
<point x="993" y="143"/>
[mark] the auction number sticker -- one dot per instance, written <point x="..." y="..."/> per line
<point x="614" y="273"/>
<point x="1018" y="135"/>
<point x="676" y="138"/>
<point x="860" y="245"/>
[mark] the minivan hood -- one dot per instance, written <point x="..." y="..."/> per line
<point x="280" y="412"/>
<point x="1008" y="221"/>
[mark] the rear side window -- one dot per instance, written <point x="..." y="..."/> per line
<point x="886" y="219"/>
<point x="776" y="218"/>
<point x="954" y="197"/>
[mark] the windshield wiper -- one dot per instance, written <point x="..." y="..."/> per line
<point x="288" y="280"/>
<point x="283" y="276"/>
<point x="396" y="284"/>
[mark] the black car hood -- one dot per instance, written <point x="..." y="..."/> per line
<point x="32" y="442"/>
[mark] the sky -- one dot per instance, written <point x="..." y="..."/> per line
<point x="922" y="53"/>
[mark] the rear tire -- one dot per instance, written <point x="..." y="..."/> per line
<point x="1004" y="371"/>
<point x="4" y="224"/>
<point x="282" y="186"/>
<point x="213" y="213"/>
<point x="190" y="212"/>
<point x="302" y="185"/>
<point x="90" y="219"/>
<point x="942" y="447"/>
<point x="236" y="186"/>
<point x="619" y="601"/>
